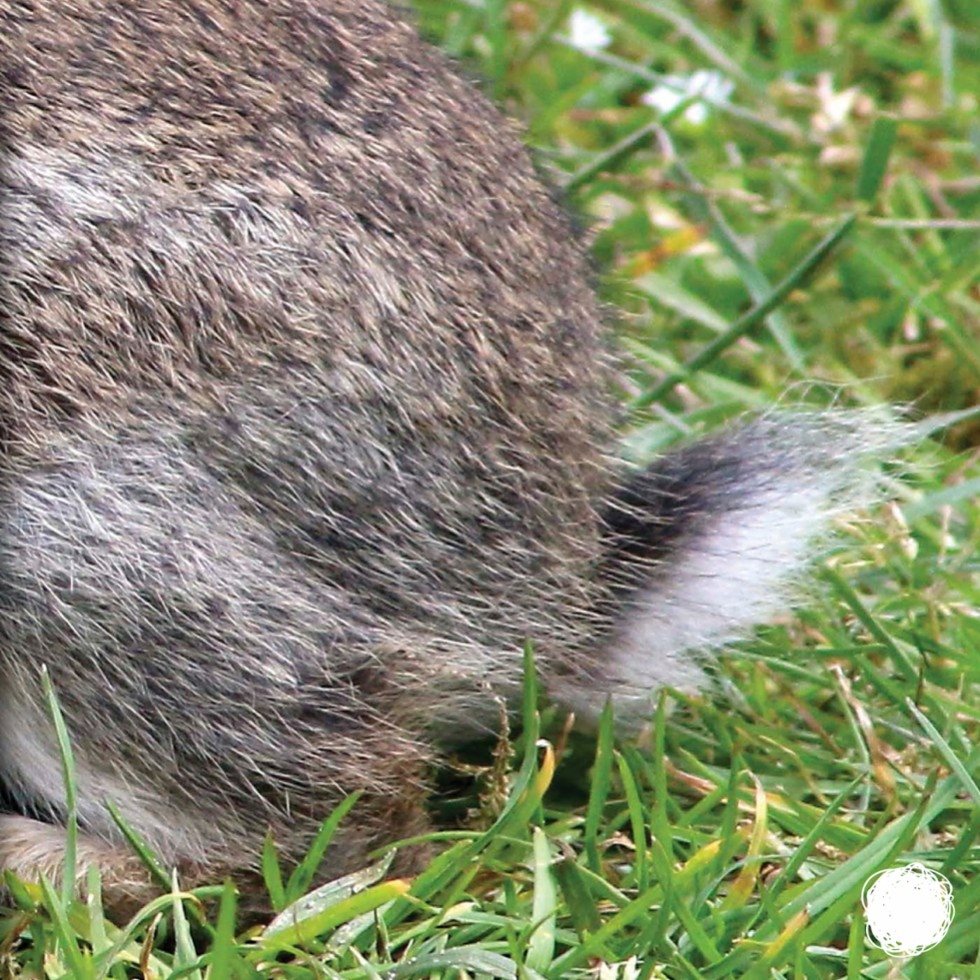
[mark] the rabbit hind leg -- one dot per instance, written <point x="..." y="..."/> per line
<point x="33" y="850"/>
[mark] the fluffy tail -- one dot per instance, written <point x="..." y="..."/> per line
<point x="711" y="539"/>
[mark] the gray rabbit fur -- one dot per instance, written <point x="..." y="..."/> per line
<point x="306" y="426"/>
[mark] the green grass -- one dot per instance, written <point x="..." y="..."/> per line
<point x="817" y="233"/>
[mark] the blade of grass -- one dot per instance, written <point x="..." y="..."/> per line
<point x="945" y="750"/>
<point x="79" y="963"/>
<point x="752" y="317"/>
<point x="599" y="787"/>
<point x="301" y="879"/>
<point x="755" y="281"/>
<point x="541" y="945"/>
<point x="69" y="867"/>
<point x="875" y="161"/>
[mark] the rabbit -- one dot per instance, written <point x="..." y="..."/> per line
<point x="307" y="426"/>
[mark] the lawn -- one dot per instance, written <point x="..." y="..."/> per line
<point x="782" y="204"/>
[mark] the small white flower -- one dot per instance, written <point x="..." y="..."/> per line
<point x="666" y="96"/>
<point x="835" y="107"/>
<point x="587" y="32"/>
<point x="710" y="87"/>
<point x="624" y="970"/>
